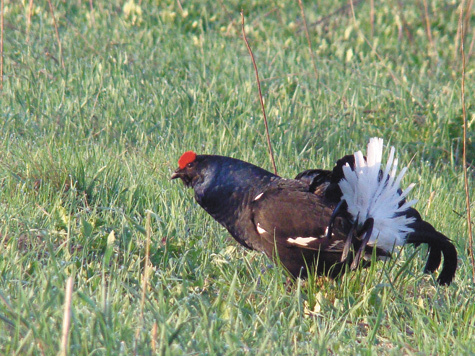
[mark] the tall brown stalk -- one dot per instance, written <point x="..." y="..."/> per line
<point x="428" y="29"/>
<point x="145" y="277"/>
<point x="464" y="116"/>
<point x="1" y="45"/>
<point x="260" y="93"/>
<point x="57" y="34"/>
<point x="312" y="56"/>
<point x="28" y="20"/>
<point x="67" y="316"/>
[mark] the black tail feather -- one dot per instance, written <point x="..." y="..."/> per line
<point x="367" y="229"/>
<point x="349" y="240"/>
<point x="438" y="244"/>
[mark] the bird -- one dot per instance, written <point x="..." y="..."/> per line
<point x="324" y="222"/>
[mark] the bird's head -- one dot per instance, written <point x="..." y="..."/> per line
<point x="221" y="183"/>
<point x="189" y="168"/>
<point x="213" y="176"/>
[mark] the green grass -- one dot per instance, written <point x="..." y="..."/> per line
<point x="87" y="150"/>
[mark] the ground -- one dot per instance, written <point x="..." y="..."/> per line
<point x="95" y="119"/>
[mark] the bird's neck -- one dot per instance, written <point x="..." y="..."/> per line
<point x="228" y="189"/>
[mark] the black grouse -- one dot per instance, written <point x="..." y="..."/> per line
<point x="321" y="220"/>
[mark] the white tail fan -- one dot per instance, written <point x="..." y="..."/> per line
<point x="373" y="193"/>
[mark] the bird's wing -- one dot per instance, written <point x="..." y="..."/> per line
<point x="288" y="215"/>
<point x="316" y="179"/>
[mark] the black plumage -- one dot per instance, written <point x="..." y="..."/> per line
<point x="289" y="219"/>
<point x="325" y="183"/>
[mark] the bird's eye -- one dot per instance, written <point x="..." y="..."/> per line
<point x="189" y="165"/>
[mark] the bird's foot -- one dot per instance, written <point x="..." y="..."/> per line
<point x="338" y="209"/>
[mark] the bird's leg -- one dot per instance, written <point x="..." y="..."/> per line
<point x="341" y="205"/>
<point x="349" y="240"/>
<point x="368" y="228"/>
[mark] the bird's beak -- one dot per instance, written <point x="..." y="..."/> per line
<point x="182" y="174"/>
<point x="176" y="174"/>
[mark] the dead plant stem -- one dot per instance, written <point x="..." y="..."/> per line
<point x="260" y="94"/>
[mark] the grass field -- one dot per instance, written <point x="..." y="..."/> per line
<point x="86" y="152"/>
